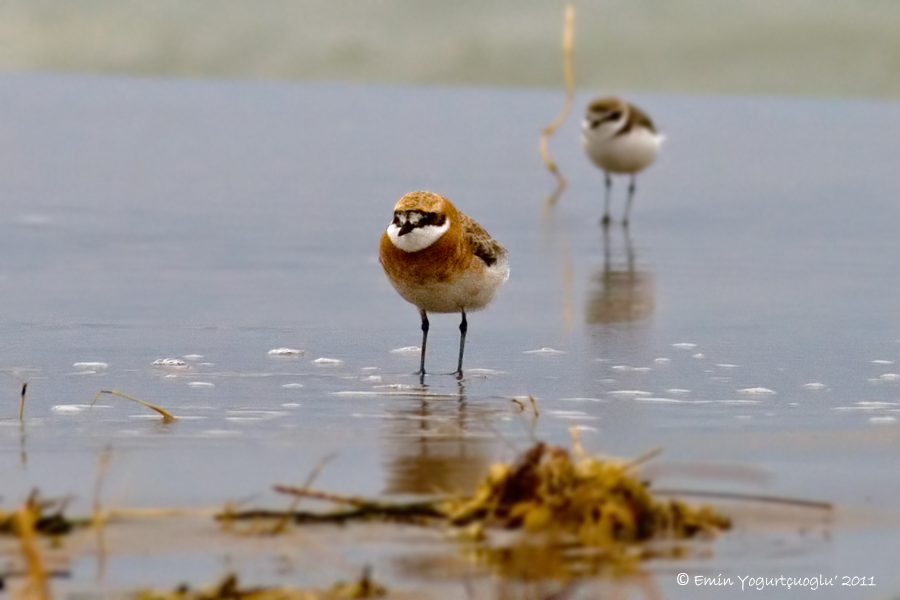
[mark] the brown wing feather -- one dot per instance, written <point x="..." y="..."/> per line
<point x="480" y="241"/>
<point x="636" y="117"/>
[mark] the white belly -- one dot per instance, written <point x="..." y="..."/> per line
<point x="627" y="153"/>
<point x="470" y="291"/>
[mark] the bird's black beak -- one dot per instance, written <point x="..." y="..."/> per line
<point x="405" y="228"/>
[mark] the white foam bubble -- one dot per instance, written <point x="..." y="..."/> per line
<point x="483" y="372"/>
<point x="407" y="350"/>
<point x="93" y="366"/>
<point x="169" y="362"/>
<point x="575" y="399"/>
<point x="286" y="352"/>
<point x="201" y="384"/>
<point x="757" y="391"/>
<point x="882" y="420"/>
<point x="661" y="400"/>
<point x="328" y="362"/>
<point x="70" y="408"/>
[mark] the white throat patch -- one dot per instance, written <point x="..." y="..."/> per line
<point x="417" y="239"/>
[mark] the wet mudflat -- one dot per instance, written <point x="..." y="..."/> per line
<point x="747" y="322"/>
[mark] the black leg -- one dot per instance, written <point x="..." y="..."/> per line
<point x="631" y="187"/>
<point x="424" y="341"/>
<point x="606" y="197"/>
<point x="607" y="253"/>
<point x="463" y="327"/>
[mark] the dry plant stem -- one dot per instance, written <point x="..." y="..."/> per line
<point x="646" y="456"/>
<point x="112" y="514"/>
<point x="22" y="403"/>
<point x="577" y="448"/>
<point x="100" y="516"/>
<point x="304" y="492"/>
<point x="362" y="508"/>
<point x="568" y="36"/>
<point x="413" y="513"/>
<point x="38" y="585"/>
<point x="827" y="506"/>
<point x="295" y="502"/>
<point x="166" y="415"/>
<point x="534" y="405"/>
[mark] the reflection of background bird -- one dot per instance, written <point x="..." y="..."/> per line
<point x="619" y="292"/>
<point x="620" y="138"/>
<point x="432" y="449"/>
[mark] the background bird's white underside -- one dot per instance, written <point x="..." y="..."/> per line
<point x="627" y="153"/>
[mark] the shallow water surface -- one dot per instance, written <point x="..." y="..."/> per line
<point x="747" y="322"/>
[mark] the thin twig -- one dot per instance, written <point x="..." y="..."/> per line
<point x="304" y="492"/>
<point x="22" y="403"/>
<point x="297" y="499"/>
<point x="534" y="405"/>
<point x="100" y="515"/>
<point x="648" y="455"/>
<point x="747" y="498"/>
<point x="423" y="508"/>
<point x="166" y="415"/>
<point x="24" y="387"/>
<point x="37" y="573"/>
<point x="568" y="36"/>
<point x="577" y="448"/>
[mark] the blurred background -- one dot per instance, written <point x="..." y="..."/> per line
<point x="845" y="48"/>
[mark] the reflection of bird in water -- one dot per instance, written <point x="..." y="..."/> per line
<point x="619" y="138"/>
<point x="434" y="447"/>
<point x="619" y="293"/>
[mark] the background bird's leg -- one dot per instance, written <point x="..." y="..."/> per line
<point x="424" y="341"/>
<point x="463" y="327"/>
<point x="606" y="197"/>
<point x="631" y="188"/>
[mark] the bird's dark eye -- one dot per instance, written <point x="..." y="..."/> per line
<point x="396" y="220"/>
<point x="615" y="116"/>
<point x="596" y="123"/>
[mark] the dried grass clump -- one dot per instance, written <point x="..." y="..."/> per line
<point x="44" y="516"/>
<point x="599" y="502"/>
<point x="229" y="589"/>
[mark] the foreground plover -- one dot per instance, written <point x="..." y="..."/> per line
<point x="620" y="138"/>
<point x="441" y="260"/>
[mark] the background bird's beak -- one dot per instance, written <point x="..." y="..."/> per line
<point x="405" y="228"/>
